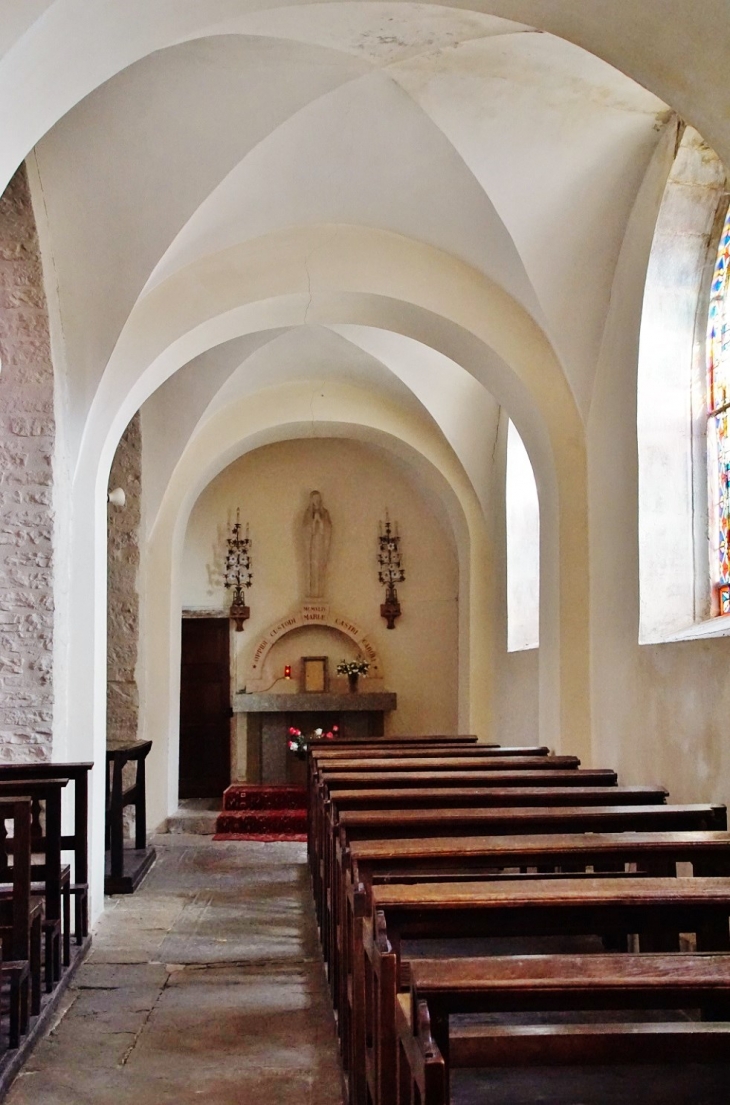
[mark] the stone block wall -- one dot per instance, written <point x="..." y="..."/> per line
<point x="123" y="598"/>
<point x="27" y="431"/>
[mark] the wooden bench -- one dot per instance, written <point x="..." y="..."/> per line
<point x="413" y="738"/>
<point x="503" y="777"/>
<point x="402" y="823"/>
<point x="656" y="909"/>
<point x="520" y="820"/>
<point x="382" y="824"/>
<point x="362" y="745"/>
<point x="326" y="779"/>
<point x="475" y="760"/>
<point x="442" y="987"/>
<point x="371" y="861"/>
<point x="52" y="880"/>
<point x="326" y="753"/>
<point x="466" y="797"/>
<point x="76" y="841"/>
<point x="317" y="822"/>
<point x="321" y="769"/>
<point x="20" y="917"/>
<point x="345" y="789"/>
<point x="658" y="852"/>
<point x="124" y="877"/>
<point x="505" y="821"/>
<point x="484" y="798"/>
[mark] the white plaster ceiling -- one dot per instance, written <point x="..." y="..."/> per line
<point x="168" y="133"/>
<point x="421" y="382"/>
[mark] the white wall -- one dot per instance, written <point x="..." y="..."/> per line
<point x="419" y="659"/>
<point x="518" y="717"/>
<point x="660" y="711"/>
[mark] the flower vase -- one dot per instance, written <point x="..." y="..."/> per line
<point x="352" y="682"/>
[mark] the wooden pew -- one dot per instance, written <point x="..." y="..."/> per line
<point x="125" y="869"/>
<point x="437" y="771"/>
<point x="442" y="987"/>
<point x="382" y="824"/>
<point x="20" y="917"/>
<point x="76" y="841"/>
<point x="321" y="765"/>
<point x="369" y="861"/>
<point x="466" y="797"/>
<point x="501" y="777"/>
<point x="45" y="795"/>
<point x="505" y="821"/>
<point x="364" y="824"/>
<point x="327" y="777"/>
<point x="412" y="738"/>
<point x="358" y="746"/>
<point x="326" y="753"/>
<point x="366" y="745"/>
<point x="655" y="908"/>
<point x="319" y="830"/>
<point x="474" y="760"/>
<point x="462" y="798"/>
<point x="395" y="777"/>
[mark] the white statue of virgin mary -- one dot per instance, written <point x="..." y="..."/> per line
<point x="317" y="537"/>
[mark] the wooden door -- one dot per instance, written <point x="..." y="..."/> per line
<point x="205" y="708"/>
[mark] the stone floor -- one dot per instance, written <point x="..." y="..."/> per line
<point x="206" y="985"/>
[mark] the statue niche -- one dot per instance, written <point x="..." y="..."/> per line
<point x="317" y="527"/>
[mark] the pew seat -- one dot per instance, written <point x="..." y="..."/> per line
<point x="426" y="798"/>
<point x="440" y="988"/>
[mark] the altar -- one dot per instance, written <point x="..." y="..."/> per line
<point x="268" y="718"/>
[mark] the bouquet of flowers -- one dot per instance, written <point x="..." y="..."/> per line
<point x="353" y="667"/>
<point x="298" y="743"/>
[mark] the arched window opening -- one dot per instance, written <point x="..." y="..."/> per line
<point x="677" y="596"/>
<point x="718" y="425"/>
<point x="523" y="548"/>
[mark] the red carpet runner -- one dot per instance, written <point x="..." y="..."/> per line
<point x="262" y="813"/>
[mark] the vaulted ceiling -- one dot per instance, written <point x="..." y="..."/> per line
<point x="513" y="138"/>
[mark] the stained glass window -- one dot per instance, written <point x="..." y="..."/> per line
<point x="718" y="425"/>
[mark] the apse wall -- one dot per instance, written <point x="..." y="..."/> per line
<point x="271" y="485"/>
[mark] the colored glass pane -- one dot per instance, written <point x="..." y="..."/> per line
<point x="718" y="430"/>
<point x="718" y="336"/>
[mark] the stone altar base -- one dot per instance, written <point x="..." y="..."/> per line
<point x="263" y="813"/>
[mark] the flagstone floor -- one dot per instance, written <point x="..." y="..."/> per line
<point x="206" y="985"/>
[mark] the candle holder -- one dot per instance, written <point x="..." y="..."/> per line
<point x="238" y="572"/>
<point x="390" y="570"/>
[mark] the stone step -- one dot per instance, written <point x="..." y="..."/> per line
<point x="245" y="796"/>
<point x="194" y="815"/>
<point x="262" y="821"/>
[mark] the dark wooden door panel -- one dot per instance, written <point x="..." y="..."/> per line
<point x="205" y="699"/>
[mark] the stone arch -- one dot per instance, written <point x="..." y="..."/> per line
<point x="370" y="277"/>
<point x="244" y="427"/>
<point x="309" y="614"/>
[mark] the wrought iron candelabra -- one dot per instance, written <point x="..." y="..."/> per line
<point x="390" y="570"/>
<point x="238" y="572"/>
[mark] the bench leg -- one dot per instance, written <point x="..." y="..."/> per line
<point x="81" y="913"/>
<point x="35" y="966"/>
<point x="52" y="931"/>
<point x="18" y="973"/>
<point x="14" y="1033"/>
<point x="67" y="926"/>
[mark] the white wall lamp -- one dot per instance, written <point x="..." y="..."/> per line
<point x="117" y="497"/>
